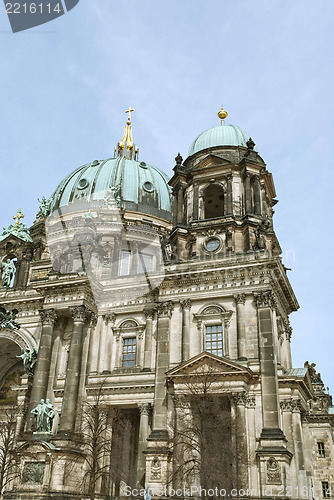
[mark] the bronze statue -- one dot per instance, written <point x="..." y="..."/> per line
<point x="8" y="271"/>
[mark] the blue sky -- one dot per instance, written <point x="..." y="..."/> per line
<point x="66" y="84"/>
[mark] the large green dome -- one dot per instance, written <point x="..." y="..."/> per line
<point x="223" y="135"/>
<point x="140" y="187"/>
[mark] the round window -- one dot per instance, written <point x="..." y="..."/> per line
<point x="148" y="186"/>
<point x="83" y="183"/>
<point x="212" y="244"/>
<point x="142" y="164"/>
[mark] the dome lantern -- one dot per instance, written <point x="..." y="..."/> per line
<point x="126" y="146"/>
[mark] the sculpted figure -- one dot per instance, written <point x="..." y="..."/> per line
<point x="29" y="359"/>
<point x="8" y="271"/>
<point x="39" y="413"/>
<point x="44" y="415"/>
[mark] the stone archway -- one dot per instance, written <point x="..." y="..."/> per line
<point x="11" y="367"/>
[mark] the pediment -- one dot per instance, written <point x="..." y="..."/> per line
<point x="13" y="240"/>
<point x="212" y="161"/>
<point x="205" y="364"/>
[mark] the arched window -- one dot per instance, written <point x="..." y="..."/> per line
<point x="213" y="202"/>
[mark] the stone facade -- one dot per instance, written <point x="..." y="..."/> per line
<point x="214" y="305"/>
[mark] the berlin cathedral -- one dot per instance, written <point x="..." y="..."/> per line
<point x="145" y="343"/>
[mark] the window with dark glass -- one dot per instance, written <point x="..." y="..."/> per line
<point x="129" y="352"/>
<point x="321" y="449"/>
<point x="325" y="489"/>
<point x="145" y="262"/>
<point x="214" y="339"/>
<point x="125" y="263"/>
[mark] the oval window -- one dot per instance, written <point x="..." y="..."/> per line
<point x="83" y="183"/>
<point x="212" y="244"/>
<point x="148" y="186"/>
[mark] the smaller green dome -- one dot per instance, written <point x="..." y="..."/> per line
<point x="223" y="135"/>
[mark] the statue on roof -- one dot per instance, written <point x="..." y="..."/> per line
<point x="44" y="208"/>
<point x="8" y="270"/>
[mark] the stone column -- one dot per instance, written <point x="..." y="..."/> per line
<point x="286" y="407"/>
<point x="162" y="363"/>
<point x="257" y="195"/>
<point x="229" y="204"/>
<point x="248" y="193"/>
<point x="298" y="439"/>
<point x="149" y="313"/>
<point x="195" y="198"/>
<point x="41" y="375"/>
<point x="175" y="192"/>
<point x="107" y="336"/>
<point x="180" y="205"/>
<point x="142" y="443"/>
<point x="240" y="300"/>
<point x="269" y="383"/>
<point x="252" y="442"/>
<point x="186" y="306"/>
<point x="134" y="260"/>
<point x="69" y="406"/>
<point x="116" y="256"/>
<point x="239" y="400"/>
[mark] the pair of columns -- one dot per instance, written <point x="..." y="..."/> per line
<point x="249" y="208"/>
<point x="80" y="315"/>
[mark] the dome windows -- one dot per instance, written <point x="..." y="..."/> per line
<point x="148" y="187"/>
<point x="83" y="183"/>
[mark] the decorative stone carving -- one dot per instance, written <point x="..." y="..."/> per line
<point x="250" y="401"/>
<point x="29" y="359"/>
<point x="240" y="398"/>
<point x="109" y="318"/>
<point x="80" y="313"/>
<point x="185" y="304"/>
<point x="48" y="316"/>
<point x="212" y="310"/>
<point x="155" y="469"/>
<point x="165" y="309"/>
<point x="44" y="414"/>
<point x="129" y="324"/>
<point x="273" y="471"/>
<point x="240" y="298"/>
<point x="265" y="299"/>
<point x="150" y="311"/>
<point x="7" y="319"/>
<point x="33" y="472"/>
<point x="144" y="408"/>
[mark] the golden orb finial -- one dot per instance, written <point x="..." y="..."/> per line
<point x="222" y="114"/>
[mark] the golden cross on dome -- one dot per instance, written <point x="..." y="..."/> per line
<point x="18" y="216"/>
<point x="129" y="111"/>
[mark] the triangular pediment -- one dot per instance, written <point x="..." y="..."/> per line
<point x="212" y="161"/>
<point x="14" y="240"/>
<point x="205" y="364"/>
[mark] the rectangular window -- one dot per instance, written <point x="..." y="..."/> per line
<point x="214" y="339"/>
<point x="129" y="352"/>
<point x="325" y="489"/>
<point x="125" y="263"/>
<point x="321" y="449"/>
<point x="145" y="262"/>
